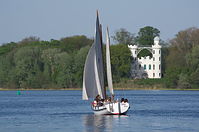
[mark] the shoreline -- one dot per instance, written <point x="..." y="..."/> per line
<point x="48" y="89"/>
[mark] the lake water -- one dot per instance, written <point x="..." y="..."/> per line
<point x="64" y="111"/>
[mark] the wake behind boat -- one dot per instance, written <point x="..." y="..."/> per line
<point x="93" y="78"/>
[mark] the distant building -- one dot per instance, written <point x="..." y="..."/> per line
<point x="146" y="67"/>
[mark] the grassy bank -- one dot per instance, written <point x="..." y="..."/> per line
<point x="141" y="84"/>
<point x="125" y="84"/>
<point x="146" y="84"/>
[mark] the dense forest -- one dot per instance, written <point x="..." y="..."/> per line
<point x="33" y="63"/>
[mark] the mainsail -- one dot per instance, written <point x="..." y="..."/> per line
<point x="93" y="78"/>
<point x="108" y="63"/>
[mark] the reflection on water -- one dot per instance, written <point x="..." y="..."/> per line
<point x="96" y="123"/>
<point x="99" y="123"/>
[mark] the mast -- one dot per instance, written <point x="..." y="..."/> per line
<point x="103" y="88"/>
<point x="102" y="62"/>
<point x="108" y="63"/>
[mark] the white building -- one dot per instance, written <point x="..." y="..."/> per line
<point x="146" y="67"/>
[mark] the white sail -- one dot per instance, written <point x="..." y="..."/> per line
<point x="108" y="63"/>
<point x="93" y="79"/>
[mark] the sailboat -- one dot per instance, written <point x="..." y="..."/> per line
<point x="93" y="78"/>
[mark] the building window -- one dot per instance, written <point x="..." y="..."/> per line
<point x="159" y="51"/>
<point x="159" y="58"/>
<point x="153" y="67"/>
<point x="153" y="58"/>
<point x="144" y="67"/>
<point x="153" y="74"/>
<point x="153" y="51"/>
<point x="135" y="52"/>
<point x="159" y="67"/>
<point x="139" y="66"/>
<point x="159" y="75"/>
<point x="149" y="66"/>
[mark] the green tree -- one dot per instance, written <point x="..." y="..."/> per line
<point x="28" y="65"/>
<point x="79" y="61"/>
<point x="65" y="70"/>
<point x="165" y="53"/>
<point x="71" y="44"/>
<point x="7" y="70"/>
<point x="183" y="81"/>
<point x="192" y="59"/>
<point x="7" y="48"/>
<point x="120" y="61"/>
<point x="185" y="40"/>
<point x="144" y="53"/>
<point x="181" y="45"/>
<point x="49" y="58"/>
<point x="146" y="35"/>
<point x="182" y="60"/>
<point x="194" y="78"/>
<point x="172" y="77"/>
<point x="32" y="63"/>
<point x="122" y="36"/>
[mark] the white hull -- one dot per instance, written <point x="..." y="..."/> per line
<point x="102" y="112"/>
<point x="116" y="108"/>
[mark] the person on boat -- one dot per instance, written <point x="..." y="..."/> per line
<point x="94" y="103"/>
<point x="109" y="99"/>
<point x="106" y="101"/>
<point x="122" y="100"/>
<point x="98" y="98"/>
<point x="101" y="102"/>
<point x="112" y="97"/>
<point x="126" y="101"/>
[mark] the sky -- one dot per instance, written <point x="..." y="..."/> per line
<point x="55" y="19"/>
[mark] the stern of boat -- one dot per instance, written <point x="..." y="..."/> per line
<point x="117" y="108"/>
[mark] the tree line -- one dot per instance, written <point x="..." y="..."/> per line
<point x="182" y="60"/>
<point x="33" y="63"/>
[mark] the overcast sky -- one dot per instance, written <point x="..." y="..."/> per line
<point x="55" y="19"/>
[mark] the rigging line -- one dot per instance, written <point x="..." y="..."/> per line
<point x="123" y="93"/>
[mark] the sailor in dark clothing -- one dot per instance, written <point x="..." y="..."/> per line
<point x="99" y="100"/>
<point x="126" y="101"/>
<point x="122" y="100"/>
